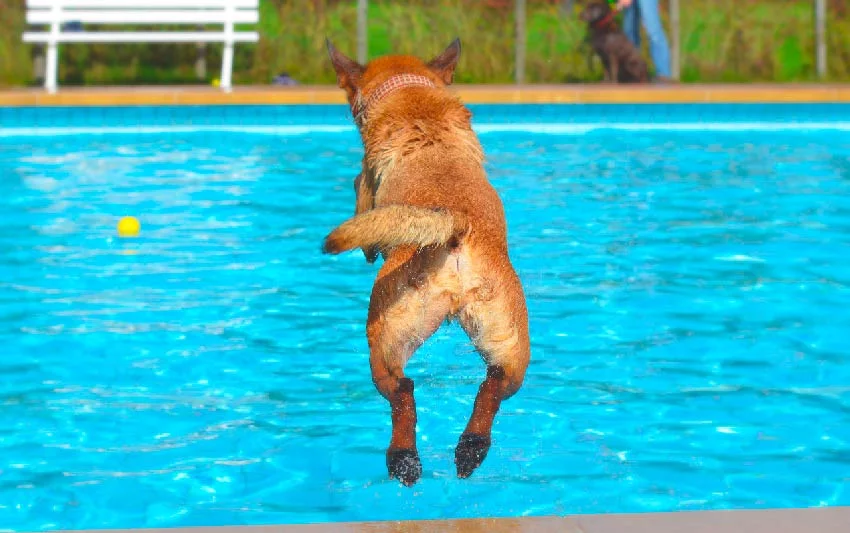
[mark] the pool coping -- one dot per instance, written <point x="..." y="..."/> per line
<point x="473" y="94"/>
<point x="803" y="520"/>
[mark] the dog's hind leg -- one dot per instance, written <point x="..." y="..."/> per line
<point x="404" y="311"/>
<point x="496" y="320"/>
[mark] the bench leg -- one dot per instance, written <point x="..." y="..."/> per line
<point x="227" y="67"/>
<point x="51" y="68"/>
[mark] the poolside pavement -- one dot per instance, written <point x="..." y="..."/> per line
<point x="480" y="94"/>
<point x="813" y="520"/>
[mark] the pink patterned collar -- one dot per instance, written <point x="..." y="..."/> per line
<point x="399" y="81"/>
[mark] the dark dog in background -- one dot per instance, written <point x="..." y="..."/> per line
<point x="621" y="60"/>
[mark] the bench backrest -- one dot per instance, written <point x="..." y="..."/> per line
<point x="113" y="12"/>
<point x="55" y="13"/>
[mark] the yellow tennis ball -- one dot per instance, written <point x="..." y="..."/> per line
<point x="215" y="82"/>
<point x="129" y="227"/>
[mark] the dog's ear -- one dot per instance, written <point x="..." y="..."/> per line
<point x="444" y="64"/>
<point x="348" y="71"/>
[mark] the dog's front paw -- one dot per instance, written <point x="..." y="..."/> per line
<point x="470" y="453"/>
<point x="404" y="465"/>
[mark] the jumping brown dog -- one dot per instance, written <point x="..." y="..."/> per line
<point x="425" y="204"/>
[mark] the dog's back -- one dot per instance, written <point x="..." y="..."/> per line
<point x="434" y="160"/>
<point x="421" y="152"/>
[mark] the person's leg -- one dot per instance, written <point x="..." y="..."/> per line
<point x="631" y="23"/>
<point x="659" y="49"/>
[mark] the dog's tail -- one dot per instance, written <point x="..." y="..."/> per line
<point x="396" y="225"/>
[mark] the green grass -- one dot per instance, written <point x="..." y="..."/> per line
<point x="722" y="41"/>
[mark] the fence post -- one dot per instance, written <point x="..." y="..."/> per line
<point x="676" y="48"/>
<point x="820" y="36"/>
<point x="362" y="34"/>
<point x="520" y="41"/>
<point x="200" y="57"/>
<point x="38" y="69"/>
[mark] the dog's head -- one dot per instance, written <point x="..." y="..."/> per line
<point x="595" y="12"/>
<point x="361" y="82"/>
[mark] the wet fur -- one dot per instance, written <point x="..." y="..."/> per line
<point x="424" y="203"/>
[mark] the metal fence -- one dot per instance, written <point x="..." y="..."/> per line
<point x="510" y="41"/>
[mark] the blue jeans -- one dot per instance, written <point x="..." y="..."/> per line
<point x="646" y="11"/>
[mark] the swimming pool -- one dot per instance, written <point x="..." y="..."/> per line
<point x="686" y="269"/>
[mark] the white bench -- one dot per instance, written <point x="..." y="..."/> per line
<point x="124" y="12"/>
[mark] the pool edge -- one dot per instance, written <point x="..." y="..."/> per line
<point x="472" y="94"/>
<point x="802" y="520"/>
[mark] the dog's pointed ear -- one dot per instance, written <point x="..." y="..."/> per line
<point x="444" y="64"/>
<point x="348" y="71"/>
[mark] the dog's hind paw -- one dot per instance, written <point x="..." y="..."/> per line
<point x="404" y="465"/>
<point x="470" y="453"/>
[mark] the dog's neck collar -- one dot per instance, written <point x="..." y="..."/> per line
<point x="605" y="22"/>
<point x="399" y="81"/>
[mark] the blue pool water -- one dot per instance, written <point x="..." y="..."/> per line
<point x="686" y="269"/>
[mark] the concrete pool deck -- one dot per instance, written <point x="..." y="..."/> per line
<point x="814" y="520"/>
<point x="473" y="94"/>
